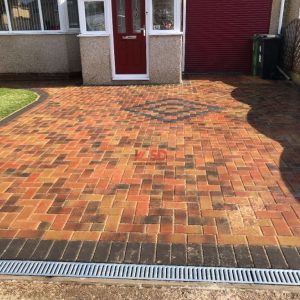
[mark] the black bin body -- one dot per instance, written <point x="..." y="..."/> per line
<point x="268" y="56"/>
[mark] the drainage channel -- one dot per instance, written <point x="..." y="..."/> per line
<point x="150" y="272"/>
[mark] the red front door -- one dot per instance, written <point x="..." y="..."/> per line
<point x="129" y="36"/>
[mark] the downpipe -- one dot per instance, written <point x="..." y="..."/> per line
<point x="281" y="15"/>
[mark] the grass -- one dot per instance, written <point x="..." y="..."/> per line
<point x="12" y="100"/>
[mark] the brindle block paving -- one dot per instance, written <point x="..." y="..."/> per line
<point x="208" y="169"/>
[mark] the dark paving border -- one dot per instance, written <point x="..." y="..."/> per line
<point x="207" y="255"/>
<point x="42" y="97"/>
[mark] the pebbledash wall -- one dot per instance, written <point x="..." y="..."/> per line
<point x="65" y="52"/>
<point x="39" y="53"/>
<point x="39" y="37"/>
<point x="164" y="59"/>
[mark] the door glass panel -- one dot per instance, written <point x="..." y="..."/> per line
<point x="95" y="19"/>
<point x="121" y="10"/>
<point x="136" y="16"/>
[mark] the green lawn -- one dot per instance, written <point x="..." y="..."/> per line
<point x="13" y="99"/>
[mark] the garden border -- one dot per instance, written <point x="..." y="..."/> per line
<point x="41" y="97"/>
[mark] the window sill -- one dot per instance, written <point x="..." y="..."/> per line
<point x="163" y="33"/>
<point x="93" y="34"/>
<point x="37" y="32"/>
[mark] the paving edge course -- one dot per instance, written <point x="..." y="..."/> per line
<point x="207" y="255"/>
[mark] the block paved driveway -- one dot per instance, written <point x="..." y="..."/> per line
<point x="203" y="173"/>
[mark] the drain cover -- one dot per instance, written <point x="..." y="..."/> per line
<point x="149" y="272"/>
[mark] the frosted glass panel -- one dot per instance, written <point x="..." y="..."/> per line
<point x="136" y="16"/>
<point x="121" y="9"/>
<point x="94" y="13"/>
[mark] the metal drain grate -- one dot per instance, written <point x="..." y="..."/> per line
<point x="148" y="272"/>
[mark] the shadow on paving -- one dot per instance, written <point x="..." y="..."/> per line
<point x="276" y="114"/>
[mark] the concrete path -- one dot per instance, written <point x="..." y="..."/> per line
<point x="26" y="289"/>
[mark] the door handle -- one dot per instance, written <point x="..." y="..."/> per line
<point x="129" y="37"/>
<point x="143" y="30"/>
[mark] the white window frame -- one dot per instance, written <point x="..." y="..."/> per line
<point x="66" y="18"/>
<point x="63" y="20"/>
<point x="82" y="19"/>
<point x="177" y="20"/>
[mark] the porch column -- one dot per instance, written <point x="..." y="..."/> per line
<point x="165" y="58"/>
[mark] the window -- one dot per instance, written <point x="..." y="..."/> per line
<point x="166" y="15"/>
<point x="29" y="15"/>
<point x="24" y="15"/>
<point x="3" y="17"/>
<point x="73" y="16"/>
<point x="163" y="14"/>
<point x="50" y="14"/>
<point x="92" y="17"/>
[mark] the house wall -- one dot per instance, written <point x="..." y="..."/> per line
<point x="275" y="16"/>
<point x="165" y="59"/>
<point x="293" y="11"/>
<point x="95" y="58"/>
<point x="39" y="53"/>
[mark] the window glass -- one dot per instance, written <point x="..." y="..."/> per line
<point x="24" y="14"/>
<point x="73" y="13"/>
<point x="3" y="17"/>
<point x="50" y="14"/>
<point x="121" y="16"/>
<point x="163" y="14"/>
<point x="136" y="16"/>
<point x="94" y="14"/>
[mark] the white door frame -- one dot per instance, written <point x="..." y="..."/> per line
<point x="112" y="48"/>
<point x="184" y="35"/>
